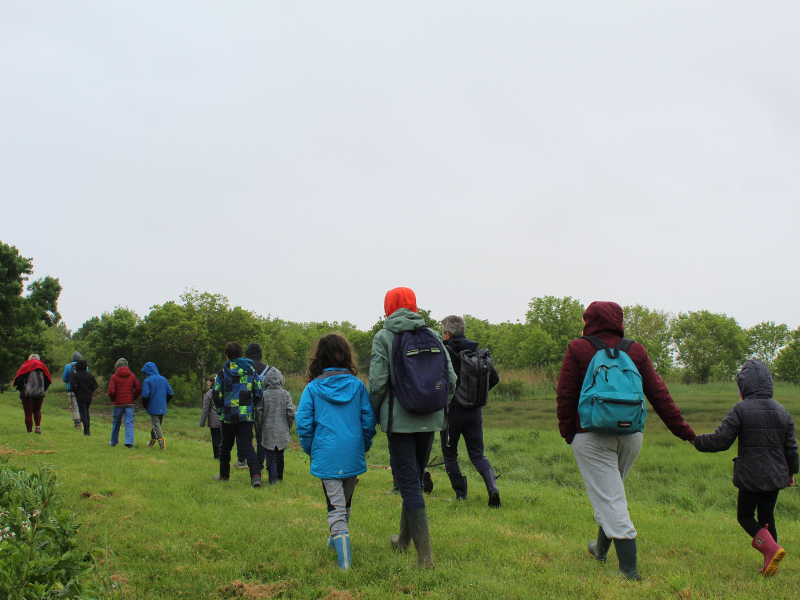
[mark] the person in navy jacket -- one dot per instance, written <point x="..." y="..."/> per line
<point x="336" y="424"/>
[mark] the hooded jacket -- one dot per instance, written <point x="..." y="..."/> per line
<point x="381" y="376"/>
<point x="335" y="424"/>
<point x="69" y="368"/>
<point x="82" y="382"/>
<point x="457" y="344"/>
<point x="604" y="320"/>
<point x="255" y="354"/>
<point x="236" y="390"/>
<point x="767" y="456"/>
<point x="276" y="416"/>
<point x="156" y="391"/>
<point x="123" y="387"/>
<point x="209" y="412"/>
<point x="21" y="378"/>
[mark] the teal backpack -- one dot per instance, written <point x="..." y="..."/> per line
<point x="612" y="400"/>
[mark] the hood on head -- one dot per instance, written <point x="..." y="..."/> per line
<point x="338" y="389"/>
<point x="76" y="356"/>
<point x="603" y="316"/>
<point x="755" y="380"/>
<point x="150" y="369"/>
<point x="82" y="365"/>
<point x="399" y="298"/>
<point x="274" y="379"/>
<point x="253" y="352"/>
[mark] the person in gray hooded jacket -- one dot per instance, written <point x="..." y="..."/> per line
<point x="275" y="419"/>
<point x="767" y="460"/>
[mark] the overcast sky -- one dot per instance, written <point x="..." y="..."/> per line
<point x="302" y="158"/>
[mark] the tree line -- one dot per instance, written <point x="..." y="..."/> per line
<point x="185" y="337"/>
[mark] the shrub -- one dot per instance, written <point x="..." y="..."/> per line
<point x="39" y="556"/>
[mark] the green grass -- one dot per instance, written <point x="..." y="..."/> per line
<point x="177" y="534"/>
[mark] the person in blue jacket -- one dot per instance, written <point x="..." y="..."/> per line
<point x="67" y="378"/>
<point x="156" y="392"/>
<point x="336" y="424"/>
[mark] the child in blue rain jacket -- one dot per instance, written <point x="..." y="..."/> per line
<point x="156" y="392"/>
<point x="336" y="424"/>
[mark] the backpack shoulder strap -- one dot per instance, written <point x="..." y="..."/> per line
<point x="601" y="345"/>
<point x="264" y="372"/>
<point x="624" y="345"/>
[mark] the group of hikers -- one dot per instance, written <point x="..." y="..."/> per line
<point x="421" y="382"/>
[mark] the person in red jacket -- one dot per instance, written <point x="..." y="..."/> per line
<point x="123" y="389"/>
<point x="604" y="460"/>
<point x="33" y="367"/>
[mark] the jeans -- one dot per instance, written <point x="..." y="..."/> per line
<point x="408" y="455"/>
<point x="118" y="414"/>
<point x="260" y="450"/>
<point x="470" y="425"/>
<point x="765" y="502"/>
<point x="242" y="434"/>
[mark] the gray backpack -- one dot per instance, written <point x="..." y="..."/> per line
<point x="34" y="386"/>
<point x="473" y="388"/>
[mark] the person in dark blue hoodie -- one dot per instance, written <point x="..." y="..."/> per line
<point x="156" y="392"/>
<point x="336" y="424"/>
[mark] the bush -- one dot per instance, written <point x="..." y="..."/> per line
<point x="39" y="557"/>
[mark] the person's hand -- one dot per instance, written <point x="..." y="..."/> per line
<point x="791" y="481"/>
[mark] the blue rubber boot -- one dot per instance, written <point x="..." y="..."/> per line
<point x="342" y="544"/>
<point x="330" y="542"/>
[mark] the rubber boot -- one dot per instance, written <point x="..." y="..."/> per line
<point x="420" y="533"/>
<point x="162" y="443"/>
<point x="401" y="541"/>
<point x="773" y="553"/>
<point x="626" y="553"/>
<point x="341" y="543"/>
<point x="427" y="482"/>
<point x="598" y="549"/>
<point x="491" y="486"/>
<point x="151" y="442"/>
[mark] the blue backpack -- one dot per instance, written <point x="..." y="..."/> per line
<point x="612" y="400"/>
<point x="421" y="375"/>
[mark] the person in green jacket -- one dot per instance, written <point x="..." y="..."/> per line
<point x="410" y="435"/>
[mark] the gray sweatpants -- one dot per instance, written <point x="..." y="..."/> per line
<point x="339" y="494"/>
<point x="73" y="406"/>
<point x="604" y="461"/>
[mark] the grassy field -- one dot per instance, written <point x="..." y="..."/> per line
<point x="177" y="534"/>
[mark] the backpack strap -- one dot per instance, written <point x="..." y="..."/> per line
<point x="623" y="345"/>
<point x="264" y="372"/>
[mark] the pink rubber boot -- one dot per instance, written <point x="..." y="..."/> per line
<point x="773" y="554"/>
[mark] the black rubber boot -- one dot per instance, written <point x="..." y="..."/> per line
<point x="459" y="483"/>
<point x="598" y="549"/>
<point x="401" y="541"/>
<point x="427" y="482"/>
<point x="491" y="486"/>
<point x="418" y="525"/>
<point x="626" y="553"/>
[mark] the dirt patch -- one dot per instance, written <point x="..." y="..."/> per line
<point x="339" y="595"/>
<point x="6" y="451"/>
<point x="256" y="591"/>
<point x="92" y="496"/>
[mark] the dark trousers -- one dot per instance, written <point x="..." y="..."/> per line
<point x="260" y="456"/>
<point x="241" y="434"/>
<point x="765" y="503"/>
<point x="468" y="424"/>
<point x="271" y="464"/>
<point x="215" y="440"/>
<point x="408" y="455"/>
<point x="279" y="463"/>
<point x="33" y="412"/>
<point x="83" y="409"/>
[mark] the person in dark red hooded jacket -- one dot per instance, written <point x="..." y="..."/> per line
<point x="32" y="406"/>
<point x="604" y="460"/>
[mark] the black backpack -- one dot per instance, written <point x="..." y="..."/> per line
<point x="473" y="388"/>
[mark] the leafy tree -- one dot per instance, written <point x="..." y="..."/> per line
<point x="709" y="345"/>
<point x="767" y="339"/>
<point x="787" y="364"/>
<point x="23" y="319"/>
<point x="651" y="328"/>
<point x="560" y="318"/>
<point x="115" y="336"/>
